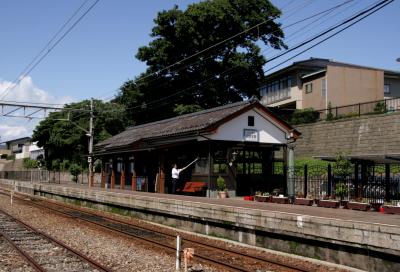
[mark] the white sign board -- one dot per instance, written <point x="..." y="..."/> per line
<point x="250" y="135"/>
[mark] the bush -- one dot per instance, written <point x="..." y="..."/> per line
<point x="380" y="107"/>
<point x="329" y="115"/>
<point x="221" y="185"/>
<point x="75" y="170"/>
<point x="29" y="164"/>
<point x="304" y="116"/>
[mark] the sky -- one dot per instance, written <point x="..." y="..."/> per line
<point x="98" y="55"/>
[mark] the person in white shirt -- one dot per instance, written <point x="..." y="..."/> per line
<point x="175" y="177"/>
<point x="175" y="174"/>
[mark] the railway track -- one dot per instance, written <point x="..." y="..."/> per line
<point x="227" y="258"/>
<point x="42" y="252"/>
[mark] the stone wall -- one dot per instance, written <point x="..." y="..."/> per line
<point x="365" y="135"/>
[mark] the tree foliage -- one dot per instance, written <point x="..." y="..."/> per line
<point x="64" y="139"/>
<point x="226" y="73"/>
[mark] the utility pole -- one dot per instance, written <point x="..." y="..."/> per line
<point x="90" y="158"/>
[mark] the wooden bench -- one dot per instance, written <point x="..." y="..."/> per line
<point x="194" y="188"/>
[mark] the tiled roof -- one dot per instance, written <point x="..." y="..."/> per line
<point x="188" y="123"/>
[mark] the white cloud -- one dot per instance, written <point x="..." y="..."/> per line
<point x="25" y="91"/>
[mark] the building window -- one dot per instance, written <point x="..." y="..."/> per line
<point x="323" y="88"/>
<point x="308" y="87"/>
<point x="250" y="121"/>
<point x="386" y="88"/>
<point x="276" y="90"/>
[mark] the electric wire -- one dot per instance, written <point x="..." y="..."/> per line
<point x="9" y="88"/>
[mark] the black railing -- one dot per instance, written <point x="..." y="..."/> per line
<point x="296" y="117"/>
<point x="376" y="184"/>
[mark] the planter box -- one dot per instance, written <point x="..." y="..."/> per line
<point x="328" y="203"/>
<point x="303" y="201"/>
<point x="391" y="209"/>
<point x="280" y="200"/>
<point x="359" y="206"/>
<point x="260" y="198"/>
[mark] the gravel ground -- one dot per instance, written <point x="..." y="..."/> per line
<point x="10" y="260"/>
<point x="113" y="250"/>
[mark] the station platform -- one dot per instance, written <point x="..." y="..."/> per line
<point x="365" y="240"/>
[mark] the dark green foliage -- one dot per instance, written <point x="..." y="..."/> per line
<point x="304" y="116"/>
<point x="29" y="163"/>
<point x="226" y="73"/>
<point x="329" y="115"/>
<point x="380" y="107"/>
<point x="75" y="170"/>
<point x="64" y="142"/>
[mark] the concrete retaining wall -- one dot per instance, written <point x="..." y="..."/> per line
<point x="370" y="134"/>
<point x="373" y="247"/>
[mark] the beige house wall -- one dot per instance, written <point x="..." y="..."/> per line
<point x="348" y="85"/>
<point x="314" y="99"/>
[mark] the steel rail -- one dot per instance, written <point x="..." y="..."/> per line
<point x="23" y="254"/>
<point x="205" y="258"/>
<point x="84" y="258"/>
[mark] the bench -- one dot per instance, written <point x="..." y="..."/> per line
<point x="194" y="188"/>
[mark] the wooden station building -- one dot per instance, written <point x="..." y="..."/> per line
<point x="237" y="142"/>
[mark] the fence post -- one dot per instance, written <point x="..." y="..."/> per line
<point x="359" y="109"/>
<point x="329" y="180"/>
<point x="305" y="180"/>
<point x="336" y="113"/>
<point x="387" y="182"/>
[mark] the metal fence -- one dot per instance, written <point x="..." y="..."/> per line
<point x="47" y="176"/>
<point x="373" y="107"/>
<point x="372" y="184"/>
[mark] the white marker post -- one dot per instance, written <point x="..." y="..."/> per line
<point x="178" y="254"/>
<point x="11" y="197"/>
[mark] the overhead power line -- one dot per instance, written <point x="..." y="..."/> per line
<point x="332" y="35"/>
<point x="367" y="12"/>
<point x="33" y="66"/>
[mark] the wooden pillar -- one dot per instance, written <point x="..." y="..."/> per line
<point x="122" y="179"/>
<point x="161" y="175"/>
<point x="112" y="185"/>
<point x="133" y="180"/>
<point x="103" y="175"/>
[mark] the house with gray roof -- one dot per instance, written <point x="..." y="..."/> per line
<point x="236" y="142"/>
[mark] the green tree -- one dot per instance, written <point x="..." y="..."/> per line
<point x="75" y="170"/>
<point x="65" y="143"/>
<point x="226" y="73"/>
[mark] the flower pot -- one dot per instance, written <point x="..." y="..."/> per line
<point x="280" y="200"/>
<point x="261" y="198"/>
<point x="359" y="206"/>
<point x="303" y="201"/>
<point x="391" y="209"/>
<point x="222" y="194"/>
<point x="328" y="203"/>
<point x="248" y="198"/>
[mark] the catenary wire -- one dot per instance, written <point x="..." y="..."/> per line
<point x="9" y="88"/>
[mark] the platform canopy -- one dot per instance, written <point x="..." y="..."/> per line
<point x="246" y="121"/>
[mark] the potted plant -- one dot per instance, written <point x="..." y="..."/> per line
<point x="358" y="205"/>
<point x="395" y="209"/>
<point x="340" y="191"/>
<point x="261" y="197"/>
<point x="308" y="201"/>
<point x="328" y="203"/>
<point x="221" y="187"/>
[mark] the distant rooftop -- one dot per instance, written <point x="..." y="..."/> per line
<point x="320" y="63"/>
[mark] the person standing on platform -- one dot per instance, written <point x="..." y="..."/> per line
<point x="175" y="175"/>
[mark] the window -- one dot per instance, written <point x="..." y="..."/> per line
<point x="386" y="88"/>
<point x="323" y="88"/>
<point x="276" y="90"/>
<point x="250" y="121"/>
<point x="308" y="87"/>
